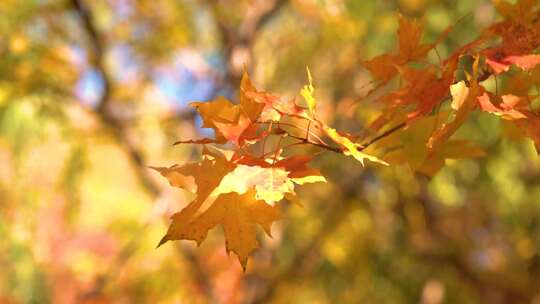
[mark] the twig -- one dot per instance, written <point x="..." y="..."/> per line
<point x="383" y="135"/>
<point x="296" y="127"/>
<point x="243" y="37"/>
<point x="324" y="146"/>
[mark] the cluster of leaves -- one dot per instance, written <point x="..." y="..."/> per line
<point x="425" y="87"/>
<point x="240" y="187"/>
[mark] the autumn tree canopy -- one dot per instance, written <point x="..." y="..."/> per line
<point x="274" y="151"/>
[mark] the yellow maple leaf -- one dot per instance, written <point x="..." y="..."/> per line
<point x="408" y="146"/>
<point x="183" y="177"/>
<point x="248" y="105"/>
<point x="307" y="92"/>
<point x="459" y="92"/>
<point x="239" y="215"/>
<point x="232" y="122"/>
<point x="234" y="195"/>
<point x="351" y="148"/>
<point x="270" y="183"/>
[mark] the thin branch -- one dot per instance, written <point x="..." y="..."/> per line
<point x="383" y="135"/>
<point x="258" y="15"/>
<point x="324" y="146"/>
<point x="97" y="53"/>
<point x="263" y="17"/>
<point x="296" y="127"/>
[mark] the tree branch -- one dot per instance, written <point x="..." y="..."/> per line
<point x="238" y="42"/>
<point x="107" y="118"/>
<point x="135" y="156"/>
<point x="383" y="135"/>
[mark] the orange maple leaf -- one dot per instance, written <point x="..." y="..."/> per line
<point x="384" y="67"/>
<point x="236" y="192"/>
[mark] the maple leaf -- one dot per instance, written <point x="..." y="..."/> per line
<point x="520" y="9"/>
<point x="298" y="169"/>
<point x="351" y="148"/>
<point x="530" y="127"/>
<point x="516" y="109"/>
<point x="452" y="149"/>
<point x="307" y="92"/>
<point x="236" y="192"/>
<point x="506" y="108"/>
<point x="238" y="131"/>
<point x="296" y="166"/>
<point x="384" y="67"/>
<point x="271" y="179"/>
<point x="222" y="112"/>
<point x="520" y="33"/>
<point x="250" y="106"/>
<point x="275" y="108"/>
<point x="459" y="92"/>
<point x="409" y="35"/>
<point x="526" y="62"/>
<point x="238" y="123"/>
<point x="469" y="94"/>
<point x="408" y="146"/>
<point x="194" y="178"/>
<point x="265" y="106"/>
<point x="232" y="122"/>
<point x="423" y="87"/>
<point x="238" y="214"/>
<point x="521" y="83"/>
<point x="270" y="184"/>
<point x="500" y="62"/>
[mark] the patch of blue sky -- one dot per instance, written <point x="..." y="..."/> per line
<point x="89" y="87"/>
<point x="125" y="65"/>
<point x="191" y="77"/>
<point x="184" y="87"/>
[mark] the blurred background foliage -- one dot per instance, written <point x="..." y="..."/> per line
<point x="93" y="92"/>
